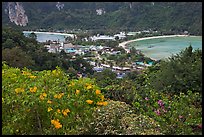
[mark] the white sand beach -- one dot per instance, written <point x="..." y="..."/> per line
<point x="123" y="44"/>
<point x="54" y="33"/>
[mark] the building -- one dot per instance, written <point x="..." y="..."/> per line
<point x="102" y="37"/>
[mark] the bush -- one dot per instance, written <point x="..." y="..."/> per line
<point x="177" y="114"/>
<point x="46" y="102"/>
<point x="123" y="90"/>
<point x="118" y="118"/>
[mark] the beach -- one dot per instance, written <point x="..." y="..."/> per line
<point x="123" y="44"/>
<point x="50" y="33"/>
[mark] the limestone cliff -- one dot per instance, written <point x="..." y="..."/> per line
<point x="17" y="14"/>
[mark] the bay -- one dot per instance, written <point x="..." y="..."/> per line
<point x="161" y="48"/>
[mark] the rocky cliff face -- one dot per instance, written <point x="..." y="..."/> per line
<point x="17" y="14"/>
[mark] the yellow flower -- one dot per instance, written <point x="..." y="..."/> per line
<point x="32" y="77"/>
<point x="56" y="123"/>
<point x="105" y="103"/>
<point x="98" y="92"/>
<point x="52" y="121"/>
<point x="49" y="109"/>
<point x="67" y="110"/>
<point x="18" y="90"/>
<point x="99" y="103"/>
<point x="89" y="87"/>
<point x="89" y="101"/>
<point x="42" y="97"/>
<point x="26" y="73"/>
<point x="58" y="110"/>
<point x="64" y="112"/>
<point x="77" y="92"/>
<point x="49" y="102"/>
<point x="55" y="96"/>
<point x="58" y="95"/>
<point x="71" y="84"/>
<point x="102" y="103"/>
<point x="33" y="89"/>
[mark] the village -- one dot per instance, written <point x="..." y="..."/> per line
<point x="100" y="57"/>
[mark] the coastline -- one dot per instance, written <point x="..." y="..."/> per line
<point x="123" y="44"/>
<point x="54" y="33"/>
<point x="125" y="47"/>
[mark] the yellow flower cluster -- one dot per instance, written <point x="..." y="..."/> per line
<point x="89" y="101"/>
<point x="33" y="90"/>
<point x="102" y="103"/>
<point x="19" y="90"/>
<point x="56" y="123"/>
<point x="98" y="92"/>
<point x="77" y="92"/>
<point x="64" y="112"/>
<point x="42" y="96"/>
<point x="58" y="95"/>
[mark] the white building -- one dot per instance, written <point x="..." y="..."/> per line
<point x="102" y="37"/>
<point x="100" y="11"/>
<point x="121" y="35"/>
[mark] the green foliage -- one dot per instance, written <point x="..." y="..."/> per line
<point x="178" y="74"/>
<point x="118" y="118"/>
<point x="104" y="78"/>
<point x="21" y="51"/>
<point x="176" y="114"/>
<point x="121" y="90"/>
<point x="17" y="57"/>
<point x="46" y="102"/>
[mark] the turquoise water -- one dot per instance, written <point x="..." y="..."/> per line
<point x="43" y="37"/>
<point x="161" y="48"/>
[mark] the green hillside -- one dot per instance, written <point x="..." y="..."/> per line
<point x="164" y="16"/>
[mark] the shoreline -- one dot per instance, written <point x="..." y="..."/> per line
<point x="123" y="44"/>
<point x="54" y="33"/>
<point x="125" y="47"/>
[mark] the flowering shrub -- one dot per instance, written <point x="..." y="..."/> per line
<point x="177" y="114"/>
<point x="118" y="118"/>
<point x="46" y="102"/>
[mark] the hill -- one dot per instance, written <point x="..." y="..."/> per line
<point x="120" y="16"/>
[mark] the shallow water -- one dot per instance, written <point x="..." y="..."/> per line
<point x="43" y="37"/>
<point x="161" y="48"/>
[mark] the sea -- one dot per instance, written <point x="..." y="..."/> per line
<point x="161" y="48"/>
<point x="44" y="36"/>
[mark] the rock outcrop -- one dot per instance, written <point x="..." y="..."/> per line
<point x="17" y="13"/>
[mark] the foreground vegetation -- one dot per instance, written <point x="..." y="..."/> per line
<point x="49" y="102"/>
<point x="40" y="98"/>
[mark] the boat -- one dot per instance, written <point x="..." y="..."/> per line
<point x="150" y="46"/>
